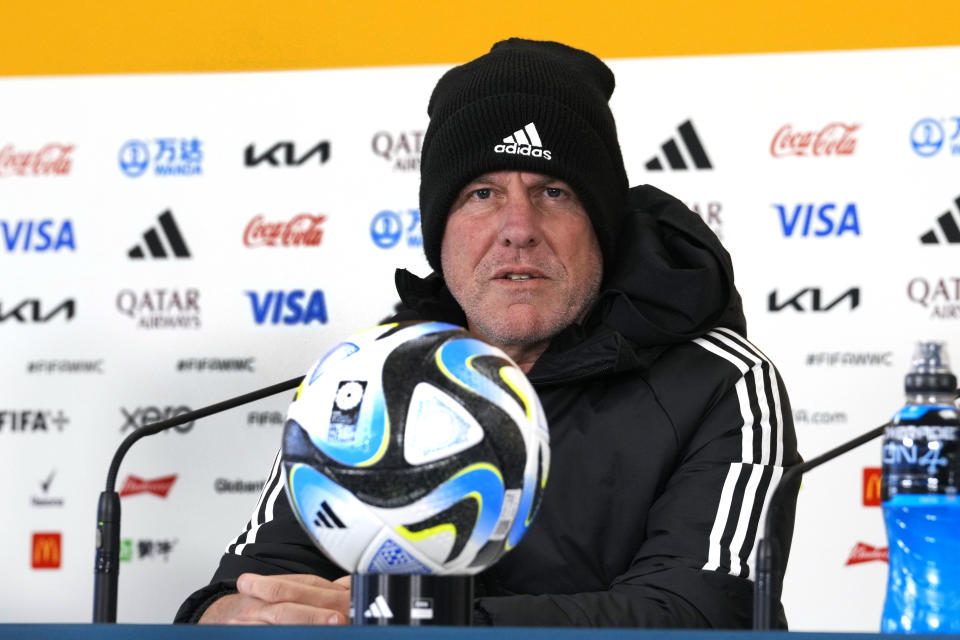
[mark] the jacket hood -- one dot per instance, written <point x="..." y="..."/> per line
<point x="671" y="281"/>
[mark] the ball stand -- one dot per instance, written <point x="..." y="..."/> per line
<point x="411" y="600"/>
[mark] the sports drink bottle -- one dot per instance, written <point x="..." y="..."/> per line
<point x="921" y="508"/>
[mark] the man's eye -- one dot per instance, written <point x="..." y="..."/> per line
<point x="554" y="192"/>
<point x="482" y="194"/>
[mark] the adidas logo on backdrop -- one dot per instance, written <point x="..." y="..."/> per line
<point x="524" y="142"/>
<point x="671" y="150"/>
<point x="948" y="228"/>
<point x="152" y="239"/>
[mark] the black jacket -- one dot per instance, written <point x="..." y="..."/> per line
<point x="669" y="432"/>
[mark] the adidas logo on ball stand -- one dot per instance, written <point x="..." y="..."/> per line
<point x="411" y="600"/>
<point x="379" y="608"/>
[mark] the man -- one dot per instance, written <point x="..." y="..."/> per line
<point x="669" y="431"/>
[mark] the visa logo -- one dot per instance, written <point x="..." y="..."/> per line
<point x="818" y="220"/>
<point x="37" y="235"/>
<point x="288" y="307"/>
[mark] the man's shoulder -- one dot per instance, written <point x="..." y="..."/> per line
<point x="721" y="353"/>
<point x="690" y="377"/>
<point x="705" y="385"/>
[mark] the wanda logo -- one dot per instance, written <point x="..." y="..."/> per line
<point x="302" y="230"/>
<point x="835" y="139"/>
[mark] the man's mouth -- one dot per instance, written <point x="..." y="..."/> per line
<point x="518" y="274"/>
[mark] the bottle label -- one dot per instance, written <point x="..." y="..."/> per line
<point x="921" y="452"/>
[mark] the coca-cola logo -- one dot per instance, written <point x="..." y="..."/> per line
<point x="301" y="231"/>
<point x="837" y="138"/>
<point x="52" y="159"/>
<point x="863" y="552"/>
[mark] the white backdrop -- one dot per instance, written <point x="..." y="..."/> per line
<point x="86" y="374"/>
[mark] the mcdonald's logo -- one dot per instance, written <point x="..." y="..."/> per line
<point x="871" y="486"/>
<point x="46" y="550"/>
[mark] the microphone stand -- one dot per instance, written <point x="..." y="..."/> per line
<point x="106" y="567"/>
<point x="769" y="579"/>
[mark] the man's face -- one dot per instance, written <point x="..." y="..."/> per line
<point x="520" y="256"/>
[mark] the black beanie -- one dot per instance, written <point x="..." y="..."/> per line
<point x="529" y="106"/>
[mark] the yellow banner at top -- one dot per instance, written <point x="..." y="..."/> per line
<point x="56" y="37"/>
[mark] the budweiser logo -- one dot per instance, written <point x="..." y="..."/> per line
<point x="53" y="159"/>
<point x="865" y="553"/>
<point x="834" y="139"/>
<point x="302" y="230"/>
<point x="157" y="486"/>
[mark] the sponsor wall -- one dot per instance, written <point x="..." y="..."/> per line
<point x="172" y="240"/>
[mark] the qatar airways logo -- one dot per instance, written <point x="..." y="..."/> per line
<point x="835" y="139"/>
<point x="402" y="149"/>
<point x="302" y="230"/>
<point x="940" y="295"/>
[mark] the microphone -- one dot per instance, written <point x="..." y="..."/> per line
<point x="106" y="566"/>
<point x="769" y="579"/>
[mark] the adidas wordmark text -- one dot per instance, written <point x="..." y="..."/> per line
<point x="524" y="142"/>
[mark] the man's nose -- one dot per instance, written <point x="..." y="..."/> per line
<point x="519" y="223"/>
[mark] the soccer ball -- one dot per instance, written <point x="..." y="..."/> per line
<point x="415" y="448"/>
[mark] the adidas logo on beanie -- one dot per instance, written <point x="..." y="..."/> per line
<point x="554" y="100"/>
<point x="524" y="142"/>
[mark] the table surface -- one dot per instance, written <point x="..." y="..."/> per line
<point x="169" y="632"/>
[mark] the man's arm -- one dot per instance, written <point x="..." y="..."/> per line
<point x="271" y="545"/>
<point x="696" y="566"/>
<point x="286" y="599"/>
